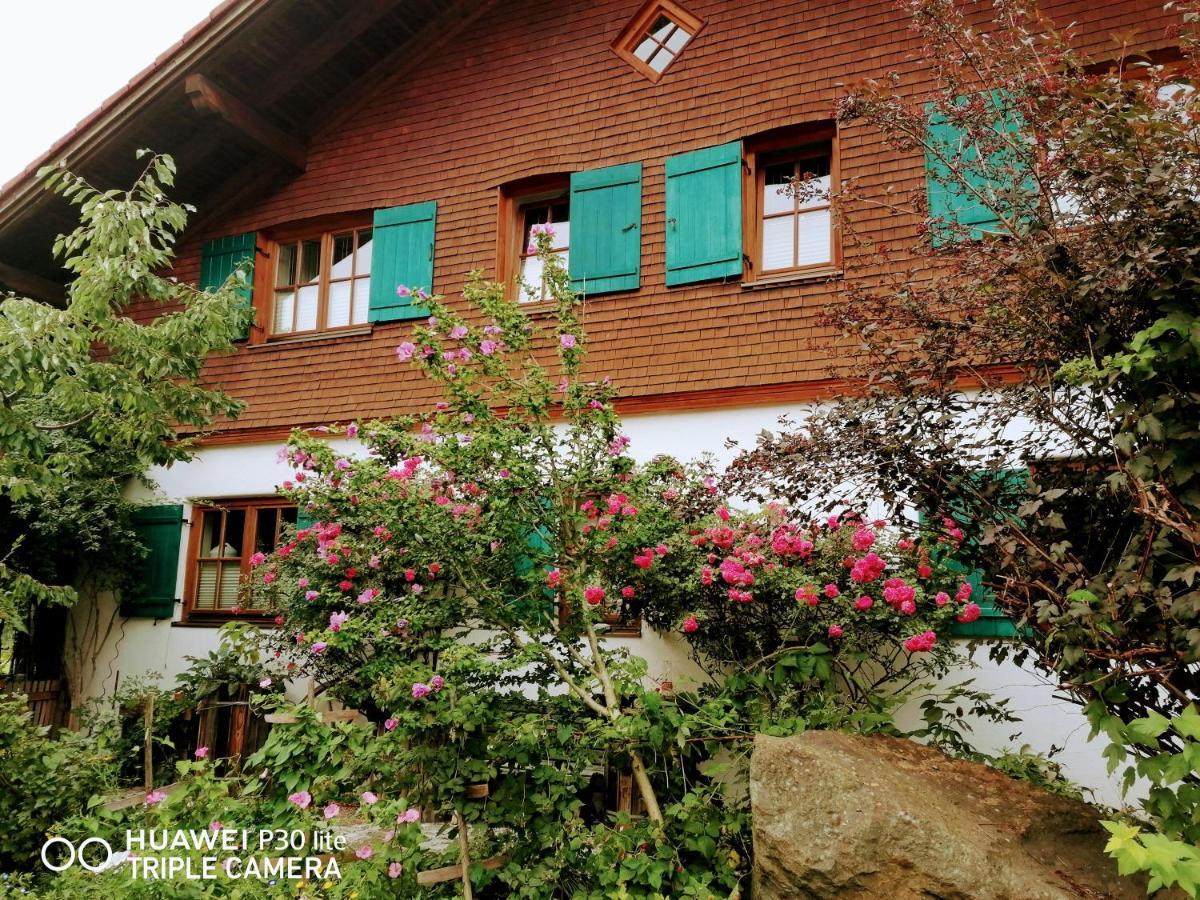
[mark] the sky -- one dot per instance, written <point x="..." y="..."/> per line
<point x="60" y="59"/>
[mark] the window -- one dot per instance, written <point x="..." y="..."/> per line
<point x="556" y="214"/>
<point x="621" y="622"/>
<point x="544" y="200"/>
<point x="789" y="227"/>
<point x="321" y="281"/>
<point x="656" y="36"/>
<point x="224" y="537"/>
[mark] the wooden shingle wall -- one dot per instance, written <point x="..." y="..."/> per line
<point x="534" y="88"/>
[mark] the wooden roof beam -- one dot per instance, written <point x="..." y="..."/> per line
<point x="355" y="21"/>
<point x="207" y="96"/>
<point x="33" y="286"/>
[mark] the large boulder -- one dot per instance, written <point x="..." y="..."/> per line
<point x="840" y="815"/>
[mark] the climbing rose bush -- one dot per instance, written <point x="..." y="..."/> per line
<point x="455" y="580"/>
<point x="743" y="587"/>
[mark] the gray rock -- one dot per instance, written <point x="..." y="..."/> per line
<point x="840" y="815"/>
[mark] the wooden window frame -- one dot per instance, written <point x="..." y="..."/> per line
<point x="514" y="198"/>
<point x="324" y="230"/>
<point x="617" y="627"/>
<point x="251" y="506"/>
<point x="758" y="153"/>
<point x="638" y="29"/>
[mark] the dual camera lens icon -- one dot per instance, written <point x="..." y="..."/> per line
<point x="72" y="854"/>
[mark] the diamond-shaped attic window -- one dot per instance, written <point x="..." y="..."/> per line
<point x="656" y="36"/>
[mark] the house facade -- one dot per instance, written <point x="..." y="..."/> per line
<point x="348" y="148"/>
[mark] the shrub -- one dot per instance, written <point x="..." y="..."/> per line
<point x="45" y="779"/>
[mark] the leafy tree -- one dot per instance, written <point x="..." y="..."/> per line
<point x="89" y="396"/>
<point x="1058" y="238"/>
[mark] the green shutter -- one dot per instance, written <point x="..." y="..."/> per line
<point x="537" y="546"/>
<point x="606" y="229"/>
<point x="304" y="519"/>
<point x="704" y="214"/>
<point x="953" y="202"/>
<point x="220" y="257"/>
<point x="158" y="528"/>
<point x="401" y="254"/>
<point x="993" y="621"/>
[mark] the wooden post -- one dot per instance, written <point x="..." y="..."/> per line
<point x="464" y="853"/>
<point x="148" y="749"/>
<point x="239" y="721"/>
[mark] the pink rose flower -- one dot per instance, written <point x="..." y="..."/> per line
<point x="970" y="613"/>
<point x="369" y="798"/>
<point x="409" y="816"/>
<point x="420" y="691"/>
<point x="593" y="594"/>
<point x="807" y="594"/>
<point x="690" y="625"/>
<point x="566" y="341"/>
<point x="390" y="725"/>
<point x="835" y="631"/>
<point x="394" y="870"/>
<point x="201" y="752"/>
<point x="364" y="852"/>
<point x="862" y="539"/>
<point x="921" y="643"/>
<point x="301" y="799"/>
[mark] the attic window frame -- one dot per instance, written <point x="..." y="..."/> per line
<point x="639" y="27"/>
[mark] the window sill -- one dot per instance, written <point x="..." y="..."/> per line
<point x="260" y="621"/>
<point x="770" y="281"/>
<point x="541" y="309"/>
<point x="284" y="340"/>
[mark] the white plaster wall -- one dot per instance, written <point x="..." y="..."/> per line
<point x="139" y="646"/>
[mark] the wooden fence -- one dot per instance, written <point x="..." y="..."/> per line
<point x="47" y="697"/>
